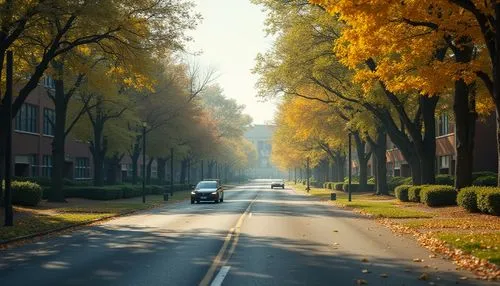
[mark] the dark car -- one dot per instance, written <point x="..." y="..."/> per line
<point x="279" y="184"/>
<point x="207" y="191"/>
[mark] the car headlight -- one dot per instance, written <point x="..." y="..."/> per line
<point x="214" y="193"/>
<point x="193" y="193"/>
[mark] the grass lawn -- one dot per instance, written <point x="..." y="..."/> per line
<point x="49" y="216"/>
<point x="475" y="234"/>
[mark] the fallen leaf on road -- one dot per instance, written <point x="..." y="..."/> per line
<point x="432" y="256"/>
<point x="335" y="243"/>
<point x="463" y="278"/>
<point x="364" y="260"/>
<point x="384" y="275"/>
<point x="423" y="276"/>
<point x="418" y="260"/>
<point x="335" y="230"/>
<point x="361" y="282"/>
<point x="365" y="271"/>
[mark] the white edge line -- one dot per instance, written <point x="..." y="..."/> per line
<point x="220" y="276"/>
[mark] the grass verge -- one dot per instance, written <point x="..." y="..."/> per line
<point x="52" y="216"/>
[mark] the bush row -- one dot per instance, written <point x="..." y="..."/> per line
<point x="482" y="199"/>
<point x="24" y="193"/>
<point x="117" y="191"/>
<point x="431" y="195"/>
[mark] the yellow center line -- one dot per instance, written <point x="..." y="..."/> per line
<point x="217" y="262"/>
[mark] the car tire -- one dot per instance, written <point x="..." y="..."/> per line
<point x="222" y="199"/>
<point x="283" y="187"/>
<point x="216" y="201"/>
<point x="197" y="202"/>
<point x="272" y="187"/>
<point x="192" y="201"/>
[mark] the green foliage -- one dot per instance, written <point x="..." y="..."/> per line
<point x="371" y="180"/>
<point x="26" y="193"/>
<point x="488" y="200"/>
<point x="94" y="193"/>
<point x="476" y="175"/>
<point x="356" y="187"/>
<point x="401" y="192"/>
<point x="338" y="186"/>
<point x="485" y="181"/>
<point x="393" y="182"/>
<point x="467" y="199"/>
<point x="438" y="195"/>
<point x="414" y="193"/>
<point x="331" y="185"/>
<point x="445" y="180"/>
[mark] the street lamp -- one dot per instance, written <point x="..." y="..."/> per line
<point x="144" y="126"/>
<point x="350" y="168"/>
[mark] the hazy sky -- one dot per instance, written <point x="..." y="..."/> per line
<point x="230" y="37"/>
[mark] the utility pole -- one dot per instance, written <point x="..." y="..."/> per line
<point x="295" y="175"/>
<point x="350" y="168"/>
<point x="307" y="175"/>
<point x="144" y="162"/>
<point x="171" y="171"/>
<point x="201" y="179"/>
<point x="9" y="214"/>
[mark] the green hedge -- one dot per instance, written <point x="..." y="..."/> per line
<point x="467" y="199"/>
<point x="487" y="199"/>
<point x="401" y="192"/>
<point x="118" y="191"/>
<point x="445" y="180"/>
<point x="486" y="181"/>
<point x="476" y="175"/>
<point x="393" y="182"/>
<point x="414" y="193"/>
<point x="438" y="195"/>
<point x="338" y="186"/>
<point x="356" y="188"/>
<point x="25" y="193"/>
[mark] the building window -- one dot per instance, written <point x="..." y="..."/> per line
<point x="443" y="124"/>
<point x="82" y="168"/>
<point x="48" y="82"/>
<point x="129" y="170"/>
<point x="154" y="172"/>
<point x="444" y="162"/>
<point x="49" y="119"/>
<point x="47" y="166"/>
<point x="34" y="165"/>
<point x="27" y="118"/>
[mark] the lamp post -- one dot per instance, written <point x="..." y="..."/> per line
<point x="307" y="175"/>
<point x="9" y="214"/>
<point x="144" y="126"/>
<point x="350" y="168"/>
<point x="172" y="172"/>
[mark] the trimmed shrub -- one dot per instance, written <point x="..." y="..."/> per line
<point x="371" y="180"/>
<point x="393" y="182"/>
<point x="356" y="187"/>
<point x="438" y="195"/>
<point x="476" y="175"/>
<point x="445" y="180"/>
<point x="402" y="192"/>
<point x="414" y="193"/>
<point x="339" y="186"/>
<point x="485" y="181"/>
<point x="467" y="199"/>
<point x="95" y="193"/>
<point x="25" y="193"/>
<point x="488" y="200"/>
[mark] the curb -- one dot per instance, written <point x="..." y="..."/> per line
<point x="5" y="243"/>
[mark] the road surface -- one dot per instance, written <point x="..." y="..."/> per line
<point x="258" y="236"/>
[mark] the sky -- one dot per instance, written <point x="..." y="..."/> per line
<point x="229" y="38"/>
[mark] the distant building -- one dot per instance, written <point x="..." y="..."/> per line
<point x="260" y="136"/>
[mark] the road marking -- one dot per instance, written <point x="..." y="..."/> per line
<point x="235" y="231"/>
<point x="220" y="276"/>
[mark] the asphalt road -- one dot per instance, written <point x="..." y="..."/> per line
<point x="258" y="236"/>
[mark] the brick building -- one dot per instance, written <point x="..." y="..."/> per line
<point x="32" y="139"/>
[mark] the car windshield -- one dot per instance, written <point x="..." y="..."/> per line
<point x="206" y="185"/>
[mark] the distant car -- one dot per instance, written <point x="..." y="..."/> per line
<point x="209" y="190"/>
<point x="278" y="185"/>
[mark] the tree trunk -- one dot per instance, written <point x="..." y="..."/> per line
<point x="464" y="107"/>
<point x="362" y="160"/>
<point x="136" y="152"/>
<point x="340" y="160"/>
<point x="98" y="151"/>
<point x="148" y="170"/>
<point x="427" y="150"/>
<point x="113" y="167"/>
<point x="161" y="162"/>
<point x="56" y="193"/>
<point x="380" y="160"/>
<point x="183" y="171"/>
